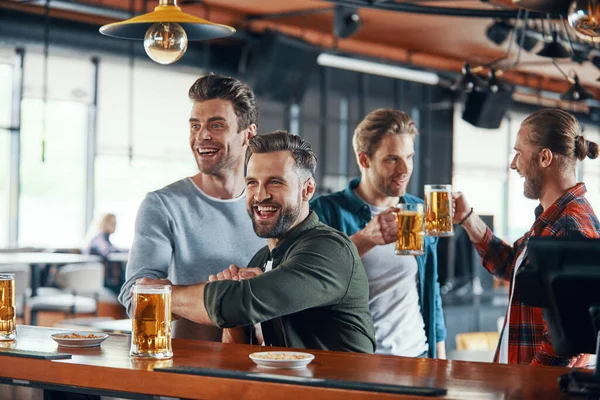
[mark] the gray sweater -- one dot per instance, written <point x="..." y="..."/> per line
<point x="185" y="235"/>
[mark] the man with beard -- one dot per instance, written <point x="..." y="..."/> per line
<point x="191" y="228"/>
<point x="548" y="145"/>
<point x="307" y="288"/>
<point x="404" y="293"/>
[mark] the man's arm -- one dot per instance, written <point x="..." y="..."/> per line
<point x="152" y="247"/>
<point x="440" y="348"/>
<point x="317" y="273"/>
<point x="188" y="302"/>
<point x="496" y="255"/>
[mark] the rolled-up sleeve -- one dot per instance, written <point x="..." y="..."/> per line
<point x="316" y="273"/>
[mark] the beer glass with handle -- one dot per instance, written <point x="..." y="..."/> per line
<point x="411" y="235"/>
<point x="7" y="306"/>
<point x="151" y="323"/>
<point x="438" y="210"/>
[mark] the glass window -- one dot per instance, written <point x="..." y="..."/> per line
<point x="160" y="129"/>
<point x="480" y="167"/>
<point x="5" y="110"/>
<point x="121" y="186"/>
<point x="591" y="171"/>
<point x="52" y="196"/>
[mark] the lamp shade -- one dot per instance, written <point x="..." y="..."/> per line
<point x="196" y="28"/>
<point x="554" y="49"/>
<point x="576" y="92"/>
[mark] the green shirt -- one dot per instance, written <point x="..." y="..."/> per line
<point x="316" y="296"/>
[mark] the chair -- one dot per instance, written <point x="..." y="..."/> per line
<point x="476" y="341"/>
<point x="81" y="286"/>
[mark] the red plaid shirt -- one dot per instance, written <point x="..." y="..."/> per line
<point x="528" y="338"/>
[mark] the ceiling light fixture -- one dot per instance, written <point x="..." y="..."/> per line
<point x="576" y="92"/>
<point x="166" y="31"/>
<point x="468" y="81"/>
<point x="554" y="49"/>
<point x="498" y="31"/>
<point x="346" y="22"/>
<point x="494" y="84"/>
<point x="375" y="68"/>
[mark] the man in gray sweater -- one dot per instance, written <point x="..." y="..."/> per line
<point x="198" y="226"/>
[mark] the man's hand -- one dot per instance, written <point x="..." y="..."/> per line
<point x="460" y="207"/>
<point x="235" y="273"/>
<point x="440" y="348"/>
<point x="382" y="229"/>
<point x="152" y="281"/>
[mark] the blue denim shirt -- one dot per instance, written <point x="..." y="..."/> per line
<point x="347" y="212"/>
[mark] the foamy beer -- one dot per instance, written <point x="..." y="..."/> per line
<point x="7" y="306"/>
<point x="151" y="325"/>
<point x="438" y="210"/>
<point x="411" y="236"/>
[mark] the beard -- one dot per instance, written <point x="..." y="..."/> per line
<point x="274" y="228"/>
<point x="223" y="160"/>
<point x="387" y="187"/>
<point x="532" y="188"/>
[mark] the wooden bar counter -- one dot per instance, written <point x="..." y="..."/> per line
<point x="108" y="369"/>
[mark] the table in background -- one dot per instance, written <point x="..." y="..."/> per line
<point x="109" y="369"/>
<point x="35" y="260"/>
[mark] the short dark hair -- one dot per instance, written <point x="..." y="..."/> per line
<point x="211" y="87"/>
<point x="561" y="133"/>
<point x="306" y="161"/>
<point x="379" y="123"/>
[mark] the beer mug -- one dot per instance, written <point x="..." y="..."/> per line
<point x="7" y="306"/>
<point x="151" y="324"/>
<point x="411" y="235"/>
<point x="438" y="210"/>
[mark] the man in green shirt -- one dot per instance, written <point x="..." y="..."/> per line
<point x="308" y="287"/>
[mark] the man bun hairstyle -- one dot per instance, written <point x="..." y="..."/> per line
<point x="561" y="133"/>
<point x="212" y="87"/>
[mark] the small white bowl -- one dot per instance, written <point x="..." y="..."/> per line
<point x="282" y="359"/>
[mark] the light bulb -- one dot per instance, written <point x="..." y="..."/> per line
<point x="584" y="18"/>
<point x="165" y="42"/>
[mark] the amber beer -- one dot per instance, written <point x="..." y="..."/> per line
<point x="411" y="237"/>
<point x="7" y="306"/>
<point x="151" y="324"/>
<point x="438" y="210"/>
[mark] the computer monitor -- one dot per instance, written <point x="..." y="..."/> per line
<point x="564" y="275"/>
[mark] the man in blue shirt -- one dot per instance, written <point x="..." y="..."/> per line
<point x="404" y="293"/>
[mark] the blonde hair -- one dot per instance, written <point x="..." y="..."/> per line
<point x="379" y="123"/>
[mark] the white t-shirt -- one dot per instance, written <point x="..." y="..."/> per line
<point x="503" y="356"/>
<point x="394" y="300"/>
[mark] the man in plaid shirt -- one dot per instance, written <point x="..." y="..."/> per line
<point x="548" y="145"/>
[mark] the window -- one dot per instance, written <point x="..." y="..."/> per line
<point x="52" y="198"/>
<point x="5" y="110"/>
<point x="158" y="137"/>
<point x="480" y="167"/>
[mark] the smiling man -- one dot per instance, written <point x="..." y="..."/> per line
<point x="308" y="287"/>
<point x="196" y="226"/>
<point x="404" y="293"/>
<point x="547" y="148"/>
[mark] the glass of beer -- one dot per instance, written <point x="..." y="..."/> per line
<point x="438" y="210"/>
<point x="7" y="306"/>
<point x="411" y="235"/>
<point x="151" y="325"/>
